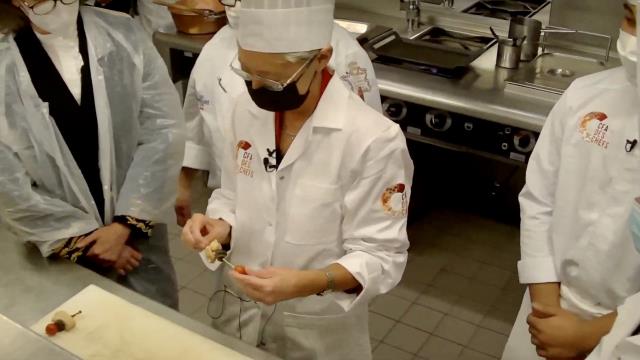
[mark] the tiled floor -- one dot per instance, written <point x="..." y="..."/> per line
<point x="458" y="298"/>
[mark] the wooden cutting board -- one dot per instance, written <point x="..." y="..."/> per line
<point x="111" y="328"/>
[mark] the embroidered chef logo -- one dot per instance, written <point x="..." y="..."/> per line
<point x="245" y="156"/>
<point x="394" y="200"/>
<point x="357" y="78"/>
<point x="202" y="101"/>
<point x="594" y="128"/>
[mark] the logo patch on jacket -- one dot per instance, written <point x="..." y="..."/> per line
<point x="202" y="101"/>
<point x="394" y="200"/>
<point x="245" y="158"/>
<point x="358" y="79"/>
<point x="593" y="128"/>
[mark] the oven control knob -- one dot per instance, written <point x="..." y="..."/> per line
<point x="438" y="120"/>
<point x="524" y="141"/>
<point x="395" y="110"/>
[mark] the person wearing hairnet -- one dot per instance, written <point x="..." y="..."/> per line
<point x="314" y="197"/>
<point x="91" y="141"/>
<point x="577" y="250"/>
<point x="213" y="88"/>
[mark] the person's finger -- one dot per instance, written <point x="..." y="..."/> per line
<point x="542" y="311"/>
<point x="87" y="240"/>
<point x="249" y="281"/>
<point x="260" y="273"/>
<point x="196" y="231"/>
<point x="133" y="263"/>
<point x="534" y="322"/>
<point x="186" y="234"/>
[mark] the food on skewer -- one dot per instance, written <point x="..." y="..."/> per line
<point x="212" y="251"/>
<point x="61" y="321"/>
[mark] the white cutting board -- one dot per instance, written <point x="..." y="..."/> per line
<point x="111" y="328"/>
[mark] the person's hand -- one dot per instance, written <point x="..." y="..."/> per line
<point x="273" y="285"/>
<point x="200" y="231"/>
<point x="183" y="203"/>
<point x="109" y="242"/>
<point x="128" y="261"/>
<point x="558" y="333"/>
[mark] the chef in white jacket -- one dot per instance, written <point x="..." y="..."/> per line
<point x="314" y="194"/>
<point x="623" y="341"/>
<point x="91" y="140"/>
<point x="213" y="88"/>
<point x="577" y="252"/>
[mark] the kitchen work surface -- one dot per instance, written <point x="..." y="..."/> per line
<point x="127" y="331"/>
<point x="31" y="286"/>
<point x="458" y="298"/>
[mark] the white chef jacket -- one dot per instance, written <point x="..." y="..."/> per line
<point x="620" y="343"/>
<point x="64" y="52"/>
<point x="580" y="187"/>
<point x="340" y="195"/>
<point x="213" y="88"/>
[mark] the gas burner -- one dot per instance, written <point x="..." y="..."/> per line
<point x="504" y="9"/>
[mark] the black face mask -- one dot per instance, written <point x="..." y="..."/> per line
<point x="278" y="101"/>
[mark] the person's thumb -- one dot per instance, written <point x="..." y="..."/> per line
<point x="542" y="311"/>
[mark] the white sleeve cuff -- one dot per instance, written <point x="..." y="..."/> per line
<point x="537" y="271"/>
<point x="196" y="157"/>
<point x="365" y="273"/>
<point x="225" y="215"/>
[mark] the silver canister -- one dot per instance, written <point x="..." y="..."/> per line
<point x="509" y="51"/>
<point x="530" y="29"/>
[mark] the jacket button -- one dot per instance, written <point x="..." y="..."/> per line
<point x="572" y="268"/>
<point x="282" y="177"/>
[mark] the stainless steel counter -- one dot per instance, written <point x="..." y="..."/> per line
<point x="481" y="93"/>
<point x="20" y="343"/>
<point x="31" y="287"/>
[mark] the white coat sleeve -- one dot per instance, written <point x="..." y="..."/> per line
<point x="149" y="189"/>
<point x="32" y="213"/>
<point x="196" y="154"/>
<point x="222" y="204"/>
<point x="537" y="200"/>
<point x="375" y="230"/>
<point x="627" y="321"/>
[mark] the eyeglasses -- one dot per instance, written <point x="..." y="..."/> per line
<point x="46" y="6"/>
<point x="272" y="85"/>
<point x="230" y="3"/>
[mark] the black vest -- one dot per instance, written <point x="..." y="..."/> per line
<point x="78" y="124"/>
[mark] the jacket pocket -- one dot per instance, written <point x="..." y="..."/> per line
<point x="315" y="214"/>
<point x="331" y="337"/>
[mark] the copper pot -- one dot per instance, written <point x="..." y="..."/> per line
<point x="197" y="16"/>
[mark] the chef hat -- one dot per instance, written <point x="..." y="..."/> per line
<point x="285" y="26"/>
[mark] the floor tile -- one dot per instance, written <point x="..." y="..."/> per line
<point x="406" y="338"/>
<point x="421" y="272"/>
<point x="498" y="320"/>
<point x="190" y="301"/>
<point x="437" y="348"/>
<point x="390" y="306"/>
<point x="379" y="325"/>
<point x="509" y="301"/>
<point x="462" y="266"/>
<point x="186" y="271"/>
<point x="492" y="275"/>
<point x="469" y="310"/>
<point x="450" y="282"/>
<point x="488" y="342"/>
<point x="437" y="299"/>
<point x="201" y="315"/>
<point x="408" y="290"/>
<point x="481" y="293"/>
<point x="386" y="352"/>
<point x="422" y="317"/>
<point x="177" y="248"/>
<point x="455" y="330"/>
<point x="468" y="354"/>
<point x="205" y="283"/>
